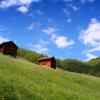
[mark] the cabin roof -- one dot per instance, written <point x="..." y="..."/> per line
<point x="6" y="43"/>
<point x="46" y="58"/>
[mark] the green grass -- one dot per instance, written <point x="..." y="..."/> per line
<point x="22" y="80"/>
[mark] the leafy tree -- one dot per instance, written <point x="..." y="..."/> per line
<point x="76" y="66"/>
<point x="30" y="55"/>
<point x="95" y="63"/>
<point x="59" y="63"/>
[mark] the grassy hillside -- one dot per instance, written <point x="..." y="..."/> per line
<point x="91" y="67"/>
<point x="22" y="80"/>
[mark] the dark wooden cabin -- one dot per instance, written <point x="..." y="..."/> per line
<point x="48" y="62"/>
<point x="9" y="48"/>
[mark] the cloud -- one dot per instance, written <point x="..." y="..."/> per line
<point x="23" y="9"/>
<point x="36" y="13"/>
<point x="94" y="49"/>
<point x="66" y="12"/>
<point x="49" y="30"/>
<point x="60" y="41"/>
<point x="39" y="12"/>
<point x="85" y="1"/>
<point x="90" y="56"/>
<point x="40" y="47"/>
<point x="2" y="39"/>
<point x="22" y="4"/>
<point x="69" y="8"/>
<point x="2" y="28"/>
<point x="73" y="7"/>
<point x="91" y="36"/>
<point x="31" y="26"/>
<point x="69" y="20"/>
<point x="67" y="0"/>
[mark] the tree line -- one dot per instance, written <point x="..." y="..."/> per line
<point x="91" y="67"/>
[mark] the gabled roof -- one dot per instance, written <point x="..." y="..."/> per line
<point x="7" y="43"/>
<point x="46" y="58"/>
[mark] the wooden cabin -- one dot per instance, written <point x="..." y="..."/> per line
<point x="48" y="62"/>
<point x="9" y="48"/>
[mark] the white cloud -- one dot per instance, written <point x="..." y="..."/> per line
<point x="49" y="30"/>
<point x="31" y="26"/>
<point x="68" y="9"/>
<point x="36" y="13"/>
<point x="74" y="7"/>
<point x="90" y="56"/>
<point x="2" y="39"/>
<point x="91" y="37"/>
<point x="23" y="4"/>
<point x="85" y="1"/>
<point x="2" y="28"/>
<point x="60" y="41"/>
<point x="40" y="47"/>
<point x="94" y="49"/>
<point x="23" y="9"/>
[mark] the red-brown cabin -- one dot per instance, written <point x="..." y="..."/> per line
<point x="9" y="48"/>
<point x="48" y="62"/>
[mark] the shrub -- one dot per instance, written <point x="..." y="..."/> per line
<point x="76" y="66"/>
<point x="29" y="55"/>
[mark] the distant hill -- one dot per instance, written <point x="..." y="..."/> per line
<point x="23" y="80"/>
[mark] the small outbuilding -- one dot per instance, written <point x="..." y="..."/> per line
<point x="9" y="48"/>
<point x="48" y="62"/>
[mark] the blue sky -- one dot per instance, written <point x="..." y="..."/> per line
<point x="60" y="28"/>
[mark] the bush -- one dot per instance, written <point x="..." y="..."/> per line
<point x="59" y="63"/>
<point x="29" y="55"/>
<point x="95" y="63"/>
<point x="76" y="66"/>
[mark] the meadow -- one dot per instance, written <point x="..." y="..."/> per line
<point x="23" y="80"/>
